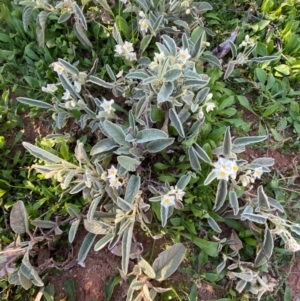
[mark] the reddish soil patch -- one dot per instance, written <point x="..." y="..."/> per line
<point x="294" y="280"/>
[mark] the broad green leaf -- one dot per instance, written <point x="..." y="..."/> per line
<point x="150" y="135"/>
<point x="248" y="140"/>
<point x="103" y="242"/>
<point x="126" y="247"/>
<point x="128" y="163"/>
<point x="146" y="267"/>
<point x="100" y="82"/>
<point x="243" y="100"/>
<point x="159" y="145"/>
<point x="227" y="143"/>
<point x="19" y="218"/>
<point x="132" y="189"/>
<point x="201" y="153"/>
<point x="123" y="26"/>
<point x="168" y="261"/>
<point x="221" y="195"/>
<point x="165" y="92"/>
<point x="115" y="132"/>
<point x="104" y="145"/>
<point x="73" y="230"/>
<point x="43" y="224"/>
<point x="35" y="103"/>
<point x="85" y="248"/>
<point x="176" y="122"/>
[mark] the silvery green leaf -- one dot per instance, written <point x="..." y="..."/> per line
<point x="212" y="59"/>
<point x="275" y="204"/>
<point x="267" y="249"/>
<point x="211" y="176"/>
<point x="73" y="230"/>
<point x="144" y="61"/>
<point x="257" y="218"/>
<point x="125" y="206"/>
<point x="165" y="92"/>
<point x="214" y="225"/>
<point x="233" y="49"/>
<point x="61" y="119"/>
<point x="264" y="59"/>
<point x="238" y="149"/>
<point x="106" y="6"/>
<point x="30" y="273"/>
<point x="93" y="206"/>
<point x="136" y="152"/>
<point x="71" y="68"/>
<point x="183" y="181"/>
<point x="248" y="140"/>
<point x="96" y="227"/>
<point x="195" y="164"/>
<point x="116" y="237"/>
<point x="41" y="26"/>
<point x="159" y="145"/>
<point x="100" y="82"/>
<point x="196" y="83"/>
<point x="262" y="199"/>
<point x="295" y="229"/>
<point x="241" y="285"/>
<point x="85" y="247"/>
<point x="234" y="203"/>
<point x="233" y="266"/>
<point x="158" y="22"/>
<point x="79" y="15"/>
<point x="43" y="224"/>
<point x="155" y="199"/>
<point x="64" y="17"/>
<point x="244" y="276"/>
<point x="34" y="102"/>
<point x="198" y="46"/>
<point x="26" y="16"/>
<point x="227" y="143"/>
<point x="184" y="114"/>
<point x="68" y="85"/>
<point x="104" y="145"/>
<point x="176" y="122"/>
<point x="103" y="242"/>
<point x="138" y="74"/>
<point x="182" y="24"/>
<point x="80" y="33"/>
<point x="185" y="42"/>
<point x="132" y="189"/>
<point x="126" y="247"/>
<point x="201" y="153"/>
<point x="221" y="267"/>
<point x="146" y="267"/>
<point x="144" y="44"/>
<point x="170" y="43"/>
<point x="263" y="161"/>
<point x="150" y="135"/>
<point x="201" y="95"/>
<point x="248" y="209"/>
<point x="110" y="72"/>
<point x="202" y="6"/>
<point x="143" y="4"/>
<point x="123" y="150"/>
<point x="221" y="195"/>
<point x="77" y="188"/>
<point x="162" y="48"/>
<point x="168" y="261"/>
<point x="130" y="293"/>
<point x="128" y="163"/>
<point x="172" y="74"/>
<point x="19" y="218"/>
<point x="229" y="70"/>
<point x="24" y="281"/>
<point x="13" y="278"/>
<point x="164" y="215"/>
<point x="115" y="132"/>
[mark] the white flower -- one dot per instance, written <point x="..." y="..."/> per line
<point x="234" y="169"/>
<point x="119" y="74"/>
<point x="159" y="56"/>
<point x="132" y="56"/>
<point x="127" y="47"/>
<point x="58" y="68"/>
<point x="143" y="25"/>
<point x="209" y="97"/>
<point x="225" y="168"/>
<point x="243" y="44"/>
<point x="66" y="95"/>
<point x="167" y="201"/>
<point x="124" y="1"/>
<point x="112" y="173"/>
<point x="222" y="174"/>
<point x="51" y="88"/>
<point x="142" y="14"/>
<point x="119" y="49"/>
<point x="210" y="106"/>
<point x="200" y="114"/>
<point x="107" y="105"/>
<point x="179" y="194"/>
<point x="224" y="164"/>
<point x="77" y="86"/>
<point x="115" y="183"/>
<point x="183" y="55"/>
<point x="258" y="172"/>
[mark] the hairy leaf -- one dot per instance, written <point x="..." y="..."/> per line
<point x="19" y="218"/>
